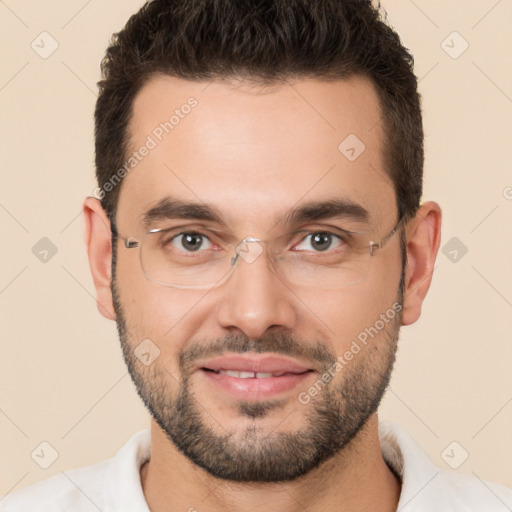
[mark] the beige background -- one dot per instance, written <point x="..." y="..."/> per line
<point x="61" y="372"/>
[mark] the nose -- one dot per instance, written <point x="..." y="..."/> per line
<point x="254" y="299"/>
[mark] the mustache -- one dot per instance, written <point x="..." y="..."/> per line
<point x="280" y="343"/>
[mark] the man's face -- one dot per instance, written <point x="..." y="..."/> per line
<point x="254" y="157"/>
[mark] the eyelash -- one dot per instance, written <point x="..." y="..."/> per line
<point x="343" y="237"/>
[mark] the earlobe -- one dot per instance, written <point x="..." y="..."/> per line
<point x="98" y="240"/>
<point x="423" y="238"/>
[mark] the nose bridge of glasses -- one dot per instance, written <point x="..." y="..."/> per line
<point x="248" y="250"/>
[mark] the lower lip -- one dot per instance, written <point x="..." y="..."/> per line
<point x="255" y="389"/>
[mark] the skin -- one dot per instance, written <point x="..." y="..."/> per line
<point x="255" y="153"/>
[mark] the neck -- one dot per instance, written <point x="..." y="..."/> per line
<point x="357" y="478"/>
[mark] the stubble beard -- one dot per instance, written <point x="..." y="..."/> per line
<point x="331" y="420"/>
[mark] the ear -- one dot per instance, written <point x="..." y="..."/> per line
<point x="423" y="234"/>
<point x="98" y="239"/>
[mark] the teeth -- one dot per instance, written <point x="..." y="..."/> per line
<point x="233" y="373"/>
<point x="265" y="375"/>
<point x="250" y="375"/>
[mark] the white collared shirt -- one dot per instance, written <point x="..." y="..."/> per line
<point x="114" y="484"/>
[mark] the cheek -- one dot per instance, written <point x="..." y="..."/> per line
<point x="348" y="312"/>
<point x="166" y="316"/>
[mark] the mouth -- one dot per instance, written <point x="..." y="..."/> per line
<point x="254" y="376"/>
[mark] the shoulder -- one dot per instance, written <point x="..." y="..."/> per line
<point x="113" y="484"/>
<point x="78" y="490"/>
<point x="470" y="493"/>
<point x="425" y="487"/>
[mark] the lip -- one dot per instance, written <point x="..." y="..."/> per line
<point x="267" y="363"/>
<point x="290" y="374"/>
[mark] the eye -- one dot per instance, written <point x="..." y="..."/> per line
<point x="190" y="242"/>
<point x="319" y="241"/>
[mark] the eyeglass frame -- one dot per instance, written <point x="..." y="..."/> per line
<point x="130" y="243"/>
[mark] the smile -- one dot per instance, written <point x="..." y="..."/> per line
<point x="253" y="375"/>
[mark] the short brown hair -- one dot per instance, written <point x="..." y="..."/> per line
<point x="267" y="41"/>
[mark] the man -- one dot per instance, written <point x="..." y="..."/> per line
<point x="259" y="240"/>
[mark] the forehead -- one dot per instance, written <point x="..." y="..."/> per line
<point x="255" y="152"/>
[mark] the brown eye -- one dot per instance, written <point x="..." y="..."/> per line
<point x="190" y="242"/>
<point x="319" y="241"/>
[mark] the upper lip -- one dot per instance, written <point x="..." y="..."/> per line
<point x="257" y="363"/>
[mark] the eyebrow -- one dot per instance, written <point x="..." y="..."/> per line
<point x="172" y="208"/>
<point x="325" y="210"/>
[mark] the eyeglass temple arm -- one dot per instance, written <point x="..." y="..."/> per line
<point x="128" y="242"/>
<point x="378" y="245"/>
